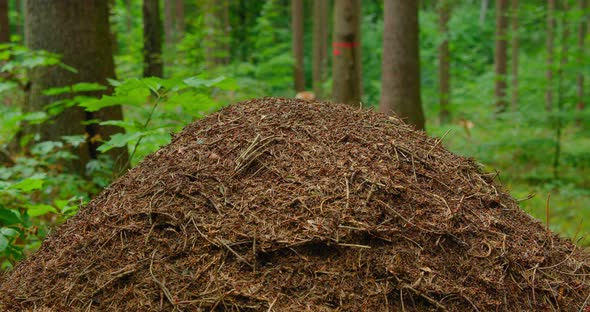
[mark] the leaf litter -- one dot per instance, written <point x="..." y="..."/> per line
<point x="288" y="205"/>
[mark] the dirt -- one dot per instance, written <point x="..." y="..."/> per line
<point x="288" y="205"/>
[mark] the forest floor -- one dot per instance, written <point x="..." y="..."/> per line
<point x="288" y="205"/>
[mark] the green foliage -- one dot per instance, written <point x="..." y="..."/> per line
<point x="166" y="105"/>
<point x="272" y="49"/>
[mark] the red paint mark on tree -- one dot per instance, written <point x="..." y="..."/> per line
<point x="342" y="45"/>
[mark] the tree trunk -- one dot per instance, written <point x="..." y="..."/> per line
<point x="501" y="55"/>
<point x="482" y="12"/>
<point x="444" y="61"/>
<point x="4" y="25"/>
<point x="169" y="24"/>
<point x="514" y="62"/>
<point x="297" y="43"/>
<point x="581" y="56"/>
<point x="346" y="86"/>
<point x="320" y="46"/>
<point x="400" y="88"/>
<point x="225" y="34"/>
<point x="550" y="55"/>
<point x="179" y="20"/>
<point x="152" y="39"/>
<point x="79" y="31"/>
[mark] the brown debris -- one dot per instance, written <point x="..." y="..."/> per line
<point x="288" y="205"/>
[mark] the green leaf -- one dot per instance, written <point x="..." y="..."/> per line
<point x="68" y="68"/>
<point x="39" y="210"/>
<point x="9" y="216"/>
<point x="227" y="84"/>
<point x="35" y="117"/>
<point x="9" y="232"/>
<point x="119" y="140"/>
<point x="87" y="86"/>
<point x="74" y="140"/>
<point x="136" y="97"/>
<point x="44" y="148"/>
<point x="28" y="184"/>
<point x="57" y="91"/>
<point x="3" y="243"/>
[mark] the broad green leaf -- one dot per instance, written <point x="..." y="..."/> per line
<point x="88" y="86"/>
<point x="227" y="84"/>
<point x="119" y="140"/>
<point x="56" y="91"/>
<point x="35" y="117"/>
<point x="74" y="140"/>
<point x="9" y="216"/>
<point x="28" y="184"/>
<point x="136" y="97"/>
<point x="39" y="210"/>
<point x="46" y="147"/>
<point x="9" y="232"/>
<point x="131" y="124"/>
<point x="3" y="243"/>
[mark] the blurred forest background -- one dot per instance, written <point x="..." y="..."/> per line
<point x="89" y="88"/>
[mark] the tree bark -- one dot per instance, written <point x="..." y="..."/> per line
<point x="79" y="31"/>
<point x="581" y="56"/>
<point x="152" y="39"/>
<point x="346" y="86"/>
<point x="320" y="46"/>
<point x="514" y="58"/>
<point x="482" y="12"/>
<point x="297" y="44"/>
<point x="550" y="54"/>
<point x="226" y="33"/>
<point x="444" y="61"/>
<point x="4" y="25"/>
<point x="400" y="90"/>
<point x="169" y="23"/>
<point x="179" y="20"/>
<point x="501" y="55"/>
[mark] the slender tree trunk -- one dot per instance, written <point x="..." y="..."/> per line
<point x="482" y="12"/>
<point x="346" y="86"/>
<point x="152" y="39"/>
<point x="79" y="31"/>
<point x="169" y="23"/>
<point x="581" y="55"/>
<point x="320" y="46"/>
<point x="297" y="25"/>
<point x="243" y="30"/>
<point x="515" y="50"/>
<point x="501" y="55"/>
<point x="179" y="20"/>
<point x="4" y="25"/>
<point x="444" y="61"/>
<point x="550" y="55"/>
<point x="400" y="88"/>
<point x="226" y="33"/>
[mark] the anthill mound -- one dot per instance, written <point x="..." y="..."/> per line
<point x="286" y="205"/>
